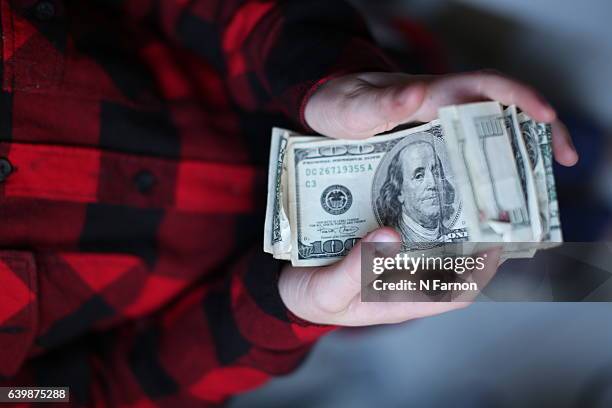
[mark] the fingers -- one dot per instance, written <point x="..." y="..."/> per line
<point x="563" y="147"/>
<point x="509" y="91"/>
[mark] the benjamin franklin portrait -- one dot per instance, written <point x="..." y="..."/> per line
<point x="415" y="197"/>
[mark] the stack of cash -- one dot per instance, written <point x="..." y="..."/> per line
<point x="480" y="173"/>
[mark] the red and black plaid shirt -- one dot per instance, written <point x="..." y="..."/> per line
<point x="134" y="137"/>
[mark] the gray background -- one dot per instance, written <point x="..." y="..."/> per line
<point x="509" y="355"/>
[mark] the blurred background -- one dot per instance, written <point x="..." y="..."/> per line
<point x="491" y="354"/>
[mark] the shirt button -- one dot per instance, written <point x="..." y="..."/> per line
<point x="144" y="181"/>
<point x="5" y="169"/>
<point x="45" y="10"/>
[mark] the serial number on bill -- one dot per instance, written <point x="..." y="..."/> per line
<point x="347" y="168"/>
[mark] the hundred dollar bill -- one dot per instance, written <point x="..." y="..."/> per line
<point x="525" y="171"/>
<point x="277" y="232"/>
<point x="479" y="174"/>
<point x="340" y="190"/>
<point x="485" y="166"/>
<point x="538" y="139"/>
<point x="277" y="223"/>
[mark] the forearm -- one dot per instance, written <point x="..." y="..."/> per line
<point x="272" y="55"/>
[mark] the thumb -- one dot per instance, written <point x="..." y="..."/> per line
<point x="343" y="280"/>
<point x="359" y="110"/>
<point x="319" y="295"/>
<point x="388" y="107"/>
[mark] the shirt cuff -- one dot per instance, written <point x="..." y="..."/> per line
<point x="361" y="57"/>
<point x="259" y="310"/>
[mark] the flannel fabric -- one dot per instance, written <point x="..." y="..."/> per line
<point x="134" y="139"/>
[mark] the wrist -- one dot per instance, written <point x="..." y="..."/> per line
<point x="294" y="289"/>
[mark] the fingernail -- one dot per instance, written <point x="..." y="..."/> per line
<point x="383" y="235"/>
<point x="572" y="158"/>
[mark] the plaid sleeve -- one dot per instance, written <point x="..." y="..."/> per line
<point x="219" y="340"/>
<point x="272" y="54"/>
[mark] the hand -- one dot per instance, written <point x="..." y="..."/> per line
<point x="361" y="105"/>
<point x="331" y="295"/>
